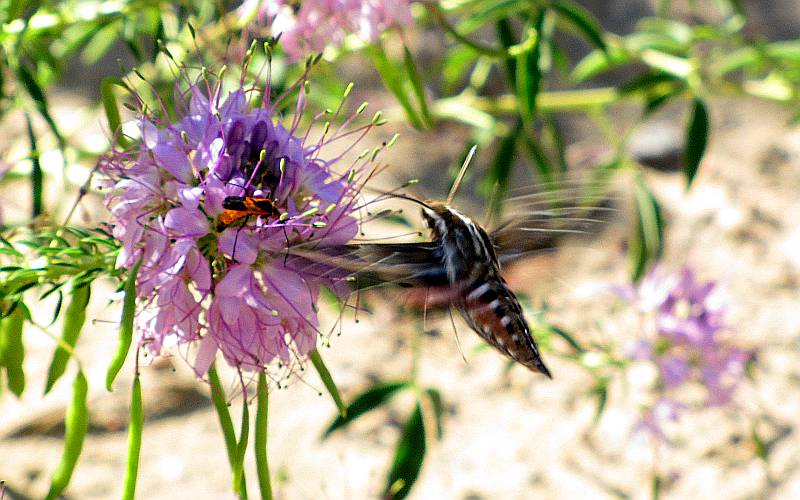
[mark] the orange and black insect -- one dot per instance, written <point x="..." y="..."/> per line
<point x="238" y="207"/>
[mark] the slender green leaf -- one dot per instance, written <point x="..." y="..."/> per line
<point x="583" y="20"/>
<point x="111" y="108"/>
<point x="125" y="327"/>
<point x="76" y="423"/>
<point x="394" y="82"/>
<point x="598" y="62"/>
<point x="12" y="349"/>
<point x="601" y="391"/>
<point x="761" y="446"/>
<point x="327" y="380"/>
<point x="437" y="406"/>
<point x="37" y="94"/>
<point x="134" y="440"/>
<point x="538" y="160"/>
<point x="74" y="318"/>
<point x="505" y="34"/>
<point x="696" y="140"/>
<point x="555" y="141"/>
<point x="496" y="179"/>
<point x="239" y="483"/>
<point x="408" y="457"/>
<point x="646" y="244"/>
<point x="655" y="486"/>
<point x="262" y="463"/>
<point x="417" y="85"/>
<point x="679" y="67"/>
<point x="36" y="170"/>
<point x="365" y="402"/>
<point x="529" y="76"/>
<point x="569" y="339"/>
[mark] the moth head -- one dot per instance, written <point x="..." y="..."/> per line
<point x="434" y="215"/>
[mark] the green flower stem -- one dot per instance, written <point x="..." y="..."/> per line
<point x="564" y="100"/>
<point x="262" y="463"/>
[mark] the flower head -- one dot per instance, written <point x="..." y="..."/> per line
<point x="316" y="24"/>
<point x="233" y="288"/>
<point x="686" y="343"/>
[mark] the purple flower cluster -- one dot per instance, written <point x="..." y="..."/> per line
<point x="235" y="289"/>
<point x="688" y="319"/>
<point x="316" y="24"/>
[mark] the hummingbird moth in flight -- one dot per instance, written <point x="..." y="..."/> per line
<point x="465" y="260"/>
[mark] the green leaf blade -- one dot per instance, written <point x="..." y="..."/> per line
<point x="583" y="20"/>
<point x="408" y="458"/>
<point x="696" y="140"/>
<point x="327" y="380"/>
<point x="74" y="318"/>
<point x="368" y="400"/>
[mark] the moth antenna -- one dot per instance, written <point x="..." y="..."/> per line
<point x="461" y="173"/>
<point x="458" y="339"/>
<point x="409" y="198"/>
<point x="425" y="310"/>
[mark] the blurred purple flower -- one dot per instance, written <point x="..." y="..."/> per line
<point x="686" y="346"/>
<point x="655" y="417"/>
<point x="232" y="289"/>
<point x="315" y="24"/>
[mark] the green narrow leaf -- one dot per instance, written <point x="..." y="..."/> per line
<point x="598" y="62"/>
<point x="539" y="160"/>
<point x="76" y="423"/>
<point x="569" y="339"/>
<point x="408" y="457"/>
<point x="556" y="141"/>
<point x="655" y="486"/>
<point x="437" y="406"/>
<point x="74" y="318"/>
<point x="134" y="440"/>
<point x="417" y="85"/>
<point x="12" y="350"/>
<point x="36" y="170"/>
<point x="37" y="94"/>
<point x="583" y="20"/>
<point x="696" y="140"/>
<point x="496" y="180"/>
<point x="125" y="326"/>
<point x="761" y="447"/>
<point x="327" y="380"/>
<point x="365" y="402"/>
<point x="529" y="76"/>
<point x="601" y="391"/>
<point x="505" y="34"/>
<point x="262" y="418"/>
<point x="394" y="82"/>
<point x="111" y="108"/>
<point x="647" y="242"/>
<point x="239" y="483"/>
